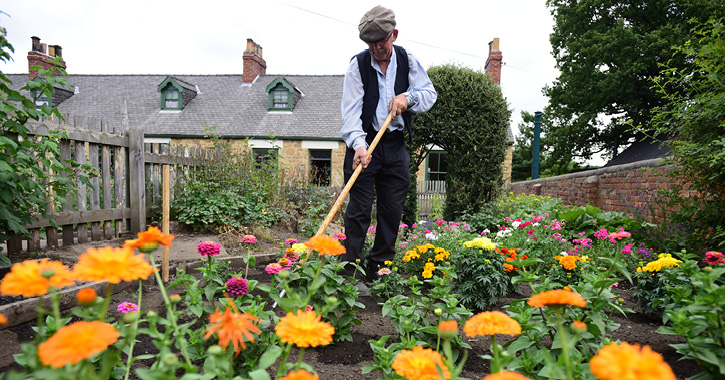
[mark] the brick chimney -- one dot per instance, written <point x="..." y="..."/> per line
<point x="41" y="55"/>
<point x="493" y="62"/>
<point x="254" y="64"/>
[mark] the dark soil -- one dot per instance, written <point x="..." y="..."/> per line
<point x="345" y="360"/>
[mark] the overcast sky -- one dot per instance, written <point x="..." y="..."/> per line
<point x="298" y="37"/>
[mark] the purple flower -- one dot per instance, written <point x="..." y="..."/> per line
<point x="237" y="287"/>
<point x="127" y="307"/>
<point x="208" y="248"/>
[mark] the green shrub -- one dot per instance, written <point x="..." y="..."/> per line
<point x="481" y="280"/>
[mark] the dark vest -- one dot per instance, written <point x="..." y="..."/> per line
<point x="371" y="96"/>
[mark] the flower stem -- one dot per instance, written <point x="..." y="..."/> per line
<point x="246" y="269"/>
<point x="283" y="361"/>
<point x="107" y="301"/>
<point x="564" y="345"/>
<point x="496" y="363"/>
<point x="132" y="339"/>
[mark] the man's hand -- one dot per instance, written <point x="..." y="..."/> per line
<point x="361" y="156"/>
<point x="399" y="104"/>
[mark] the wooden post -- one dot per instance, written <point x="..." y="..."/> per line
<point x="165" y="225"/>
<point x="80" y="157"/>
<point x="65" y="149"/>
<point x="119" y="179"/>
<point x="136" y="180"/>
<point x="94" y="126"/>
<point x="106" y="180"/>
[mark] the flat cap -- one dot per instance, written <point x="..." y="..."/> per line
<point x="376" y="24"/>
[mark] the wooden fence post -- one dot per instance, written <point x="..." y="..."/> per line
<point x="137" y="180"/>
<point x="165" y="223"/>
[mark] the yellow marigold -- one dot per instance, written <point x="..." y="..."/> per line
<point x="420" y="364"/>
<point x="490" y="323"/>
<point x="76" y="342"/>
<point x="232" y="327"/>
<point x="557" y="297"/>
<point x="112" y="264"/>
<point x="33" y="278"/>
<point x="299" y="248"/>
<point x="86" y="296"/>
<point x="481" y="242"/>
<point x="304" y="329"/>
<point x="664" y="261"/>
<point x="150" y="239"/>
<point x="506" y="375"/>
<point x="300" y="375"/>
<point x="3" y="319"/>
<point x="629" y="362"/>
<point x="411" y="255"/>
<point x="568" y="262"/>
<point x="325" y="245"/>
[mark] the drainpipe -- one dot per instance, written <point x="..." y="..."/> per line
<point x="537" y="133"/>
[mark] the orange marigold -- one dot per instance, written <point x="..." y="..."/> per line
<point x="506" y="375"/>
<point x="420" y="364"/>
<point x="232" y="327"/>
<point x="86" y="296"/>
<point x="629" y="362"/>
<point x="448" y="329"/>
<point x="3" y="319"/>
<point x="568" y="262"/>
<point x="579" y="326"/>
<point x="300" y="375"/>
<point x="150" y="239"/>
<point x="112" y="264"/>
<point x="490" y="323"/>
<point x="557" y="297"/>
<point x="76" y="342"/>
<point x="304" y="329"/>
<point x="32" y="278"/>
<point x="325" y="245"/>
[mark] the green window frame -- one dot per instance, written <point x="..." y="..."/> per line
<point x="171" y="98"/>
<point x="280" y="95"/>
<point x="321" y="167"/>
<point x="436" y="166"/>
<point x="40" y="99"/>
<point x="264" y="157"/>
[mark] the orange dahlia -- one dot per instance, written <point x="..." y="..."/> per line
<point x="112" y="264"/>
<point x="149" y="240"/>
<point x="557" y="297"/>
<point x="325" y="245"/>
<point x="300" y="375"/>
<point x="304" y="329"/>
<point x="232" y="327"/>
<point x="86" y="296"/>
<point x="420" y="364"/>
<point x="33" y="278"/>
<point x="76" y="342"/>
<point x="629" y="362"/>
<point x="490" y="323"/>
<point x="506" y="375"/>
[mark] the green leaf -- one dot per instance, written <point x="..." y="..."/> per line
<point x="270" y="357"/>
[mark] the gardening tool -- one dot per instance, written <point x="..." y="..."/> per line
<point x="350" y="182"/>
<point x="345" y="190"/>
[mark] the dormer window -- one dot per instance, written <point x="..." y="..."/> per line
<point x="175" y="94"/>
<point x="282" y="95"/>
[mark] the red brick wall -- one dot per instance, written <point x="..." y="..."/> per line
<point x="630" y="188"/>
<point x="254" y="64"/>
<point x="39" y="59"/>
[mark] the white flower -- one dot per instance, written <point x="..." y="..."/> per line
<point x="431" y="236"/>
<point x="563" y="254"/>
<point x="515" y="224"/>
<point x="486" y="231"/>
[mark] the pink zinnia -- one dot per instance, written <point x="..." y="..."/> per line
<point x="208" y="248"/>
<point x="291" y="256"/>
<point x="285" y="263"/>
<point x="714" y="258"/>
<point x="290" y="241"/>
<point x="340" y="236"/>
<point x="249" y="239"/>
<point x="127" y="307"/>
<point x="619" y="234"/>
<point x="383" y="271"/>
<point x="237" y="287"/>
<point x="273" y="268"/>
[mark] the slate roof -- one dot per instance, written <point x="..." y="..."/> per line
<point x="640" y="150"/>
<point x="237" y="109"/>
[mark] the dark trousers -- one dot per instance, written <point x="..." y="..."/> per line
<point x="388" y="177"/>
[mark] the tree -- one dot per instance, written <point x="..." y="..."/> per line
<point x="32" y="175"/>
<point x="694" y="115"/>
<point x="469" y="120"/>
<point x="607" y="51"/>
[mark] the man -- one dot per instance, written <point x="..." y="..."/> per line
<point x="382" y="79"/>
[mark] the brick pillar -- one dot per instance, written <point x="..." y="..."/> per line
<point x="254" y="64"/>
<point x="493" y="62"/>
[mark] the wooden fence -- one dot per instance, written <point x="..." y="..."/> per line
<point x="428" y="193"/>
<point x="119" y="198"/>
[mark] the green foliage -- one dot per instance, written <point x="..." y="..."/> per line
<point x="32" y="174"/>
<point x="698" y="318"/>
<point x="692" y="122"/>
<point x="481" y="280"/>
<point x="229" y="190"/>
<point x="607" y="51"/>
<point x="663" y="289"/>
<point x="469" y="121"/>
